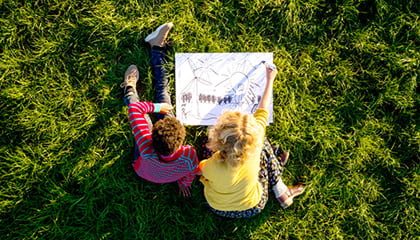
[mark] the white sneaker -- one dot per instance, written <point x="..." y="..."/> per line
<point x="158" y="37"/>
<point x="131" y="77"/>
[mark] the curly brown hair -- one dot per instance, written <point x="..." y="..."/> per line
<point x="168" y="134"/>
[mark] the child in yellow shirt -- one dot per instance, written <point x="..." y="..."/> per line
<point x="237" y="177"/>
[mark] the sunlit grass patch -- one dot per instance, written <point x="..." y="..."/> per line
<point x="345" y="102"/>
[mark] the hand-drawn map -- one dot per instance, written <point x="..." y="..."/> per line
<point x="207" y="84"/>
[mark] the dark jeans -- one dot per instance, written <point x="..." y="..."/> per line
<point x="157" y="58"/>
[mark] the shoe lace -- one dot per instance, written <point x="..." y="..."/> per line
<point x="130" y="81"/>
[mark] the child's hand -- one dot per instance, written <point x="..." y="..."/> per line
<point x="165" y="108"/>
<point x="185" y="191"/>
<point x="271" y="72"/>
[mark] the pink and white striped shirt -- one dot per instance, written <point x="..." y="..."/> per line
<point x="181" y="166"/>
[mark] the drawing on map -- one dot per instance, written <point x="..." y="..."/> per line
<point x="207" y="84"/>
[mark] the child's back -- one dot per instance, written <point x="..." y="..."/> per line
<point x="161" y="156"/>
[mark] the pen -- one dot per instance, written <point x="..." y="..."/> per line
<point x="269" y="65"/>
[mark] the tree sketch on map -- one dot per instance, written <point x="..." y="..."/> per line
<point x="207" y="84"/>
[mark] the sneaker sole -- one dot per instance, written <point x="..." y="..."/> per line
<point x="155" y="33"/>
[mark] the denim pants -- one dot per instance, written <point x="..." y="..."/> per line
<point x="157" y="59"/>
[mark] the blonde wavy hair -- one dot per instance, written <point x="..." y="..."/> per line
<point x="233" y="136"/>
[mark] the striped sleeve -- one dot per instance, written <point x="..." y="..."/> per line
<point x="140" y="127"/>
<point x="192" y="161"/>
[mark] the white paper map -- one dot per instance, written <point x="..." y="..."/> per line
<point x="207" y="84"/>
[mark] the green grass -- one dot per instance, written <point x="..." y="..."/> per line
<point x="346" y="106"/>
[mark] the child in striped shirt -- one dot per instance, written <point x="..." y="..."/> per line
<point x="160" y="156"/>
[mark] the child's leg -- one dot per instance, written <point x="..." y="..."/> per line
<point x="157" y="41"/>
<point x="281" y="155"/>
<point x="157" y="58"/>
<point x="131" y="96"/>
<point x="274" y="169"/>
<point x="284" y="194"/>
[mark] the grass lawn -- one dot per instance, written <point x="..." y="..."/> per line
<point x="346" y="104"/>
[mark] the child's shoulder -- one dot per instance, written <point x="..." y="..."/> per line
<point x="187" y="151"/>
<point x="188" y="147"/>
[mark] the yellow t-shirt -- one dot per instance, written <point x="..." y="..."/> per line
<point x="235" y="189"/>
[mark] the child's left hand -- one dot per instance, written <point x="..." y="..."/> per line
<point x="165" y="108"/>
<point x="185" y="191"/>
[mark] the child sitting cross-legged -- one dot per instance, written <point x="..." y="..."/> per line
<point x="243" y="168"/>
<point x="160" y="155"/>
